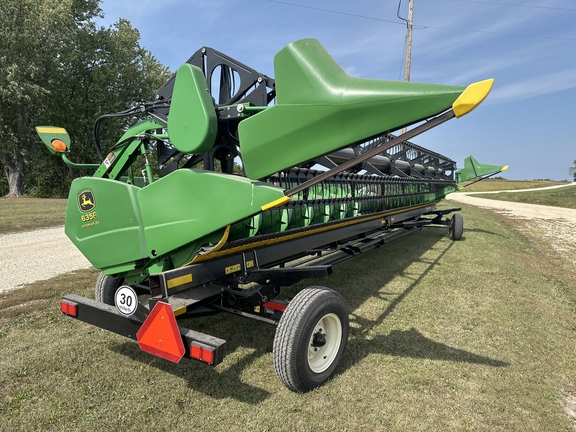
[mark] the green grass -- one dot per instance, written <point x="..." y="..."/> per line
<point x="473" y="335"/>
<point x="563" y="197"/>
<point x="490" y="185"/>
<point x="25" y="214"/>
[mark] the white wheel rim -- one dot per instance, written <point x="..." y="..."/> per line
<point x="321" y="357"/>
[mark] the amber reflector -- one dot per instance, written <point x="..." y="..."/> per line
<point x="59" y="146"/>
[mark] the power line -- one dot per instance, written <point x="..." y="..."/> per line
<point x="499" y="33"/>
<point x="515" y="5"/>
<point x="334" y="12"/>
<point x="421" y="27"/>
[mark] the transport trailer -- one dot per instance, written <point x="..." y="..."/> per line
<point x="244" y="279"/>
<point x="261" y="183"/>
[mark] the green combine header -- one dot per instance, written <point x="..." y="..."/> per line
<point x="264" y="183"/>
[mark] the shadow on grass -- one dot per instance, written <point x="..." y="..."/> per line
<point x="481" y="231"/>
<point x="354" y="279"/>
<point x="370" y="272"/>
<point x="410" y="343"/>
<point x="223" y="381"/>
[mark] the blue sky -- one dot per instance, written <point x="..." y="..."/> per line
<point x="528" y="46"/>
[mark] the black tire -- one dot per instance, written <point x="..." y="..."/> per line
<point x="106" y="287"/>
<point x="310" y="338"/>
<point x="456" y="227"/>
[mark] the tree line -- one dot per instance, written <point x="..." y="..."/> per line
<point x="58" y="67"/>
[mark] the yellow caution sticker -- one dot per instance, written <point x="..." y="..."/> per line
<point x="233" y="269"/>
<point x="179" y="281"/>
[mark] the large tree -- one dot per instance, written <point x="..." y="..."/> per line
<point x="572" y="170"/>
<point x="58" y="67"/>
<point x="23" y="64"/>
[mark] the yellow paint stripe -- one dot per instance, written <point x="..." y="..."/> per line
<point x="222" y="241"/>
<point x="179" y="311"/>
<point x="172" y="283"/>
<point x="216" y="248"/>
<point x="276" y="203"/>
<point x="50" y="129"/>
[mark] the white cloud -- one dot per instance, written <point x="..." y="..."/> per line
<point x="537" y="86"/>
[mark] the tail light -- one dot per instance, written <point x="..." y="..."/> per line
<point x="68" y="307"/>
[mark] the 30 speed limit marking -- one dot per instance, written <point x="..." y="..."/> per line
<point x="126" y="300"/>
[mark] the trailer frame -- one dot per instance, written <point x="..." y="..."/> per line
<point x="245" y="278"/>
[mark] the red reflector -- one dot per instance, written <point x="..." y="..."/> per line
<point x="208" y="356"/>
<point x="276" y="306"/>
<point x="69" y="308"/>
<point x="205" y="355"/>
<point x="160" y="335"/>
<point x="196" y="352"/>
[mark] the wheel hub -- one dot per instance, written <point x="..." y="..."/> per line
<point x="319" y="339"/>
<point x="324" y="343"/>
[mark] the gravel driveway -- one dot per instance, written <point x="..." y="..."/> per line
<point x="556" y="224"/>
<point x="38" y="255"/>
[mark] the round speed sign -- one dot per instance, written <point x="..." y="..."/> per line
<point x="126" y="300"/>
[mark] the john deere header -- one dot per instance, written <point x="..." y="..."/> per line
<point x="245" y="157"/>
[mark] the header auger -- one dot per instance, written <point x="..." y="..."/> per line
<point x="264" y="182"/>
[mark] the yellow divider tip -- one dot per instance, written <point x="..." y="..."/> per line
<point x="504" y="168"/>
<point x="472" y="97"/>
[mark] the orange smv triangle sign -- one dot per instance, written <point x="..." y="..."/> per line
<point x="160" y="335"/>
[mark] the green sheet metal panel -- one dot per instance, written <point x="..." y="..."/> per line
<point x="189" y="204"/>
<point x="192" y="123"/>
<point x="321" y="109"/>
<point x="103" y="221"/>
<point x="115" y="224"/>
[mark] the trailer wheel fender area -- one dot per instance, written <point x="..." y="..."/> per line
<point x="311" y="338"/>
<point x="106" y="287"/>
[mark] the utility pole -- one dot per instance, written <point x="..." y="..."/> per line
<point x="408" y="42"/>
<point x="408" y="45"/>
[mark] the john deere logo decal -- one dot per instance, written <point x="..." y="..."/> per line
<point x="86" y="201"/>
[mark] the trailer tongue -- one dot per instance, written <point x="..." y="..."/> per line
<point x="277" y="182"/>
